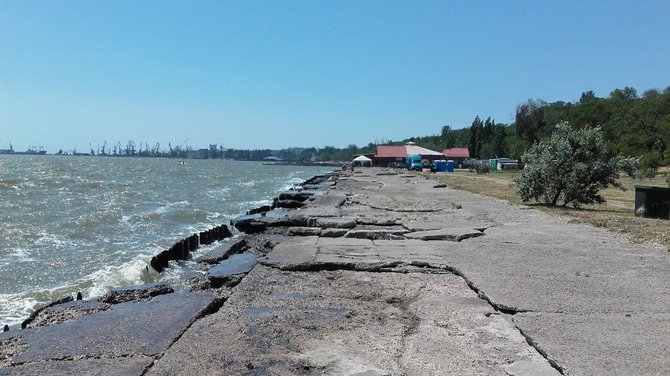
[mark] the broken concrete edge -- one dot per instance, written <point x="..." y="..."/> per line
<point x="259" y="219"/>
<point x="501" y="308"/>
<point x="231" y="271"/>
<point x="134" y="293"/>
<point x="223" y="251"/>
<point x="35" y="313"/>
<point x="532" y="343"/>
<point x="394" y="210"/>
<point x="213" y="306"/>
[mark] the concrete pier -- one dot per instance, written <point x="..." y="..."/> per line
<point x="380" y="273"/>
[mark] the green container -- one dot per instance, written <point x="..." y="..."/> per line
<point x="652" y="202"/>
<point x="494" y="164"/>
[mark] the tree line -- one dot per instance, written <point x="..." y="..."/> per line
<point x="632" y="125"/>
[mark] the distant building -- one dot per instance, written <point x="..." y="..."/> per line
<point x="458" y="155"/>
<point x="272" y="159"/>
<point x="387" y="154"/>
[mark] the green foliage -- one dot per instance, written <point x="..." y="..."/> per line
<point x="487" y="139"/>
<point x="570" y="167"/>
<point x="631" y="125"/>
<point x="529" y="120"/>
<point x="483" y="168"/>
<point x="476" y="133"/>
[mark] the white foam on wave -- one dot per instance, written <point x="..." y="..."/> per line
<point x="248" y="184"/>
<point x="14" y="308"/>
<point x="46" y="238"/>
<point x="291" y="184"/>
<point x="20" y="255"/>
<point x="133" y="272"/>
<point x="257" y="203"/>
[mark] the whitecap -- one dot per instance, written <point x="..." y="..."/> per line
<point x="21" y="255"/>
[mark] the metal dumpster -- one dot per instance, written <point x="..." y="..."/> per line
<point x="652" y="202"/>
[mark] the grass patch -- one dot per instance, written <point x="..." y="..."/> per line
<point x="617" y="214"/>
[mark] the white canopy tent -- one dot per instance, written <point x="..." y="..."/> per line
<point x="362" y="161"/>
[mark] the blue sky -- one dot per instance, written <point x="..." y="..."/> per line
<point x="275" y="74"/>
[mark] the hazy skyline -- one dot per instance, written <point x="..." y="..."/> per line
<point x="276" y="74"/>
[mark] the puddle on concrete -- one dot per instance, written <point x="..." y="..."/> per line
<point x="237" y="264"/>
<point x="290" y="295"/>
<point x="332" y="311"/>
<point x="277" y="214"/>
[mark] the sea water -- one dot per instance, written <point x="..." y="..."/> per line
<point x="88" y="224"/>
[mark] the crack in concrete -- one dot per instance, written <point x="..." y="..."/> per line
<point x="541" y="351"/>
<point x="426" y="267"/>
<point x="355" y="202"/>
<point x="212" y="308"/>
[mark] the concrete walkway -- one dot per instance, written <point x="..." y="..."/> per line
<point x="389" y="274"/>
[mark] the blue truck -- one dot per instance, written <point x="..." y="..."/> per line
<point x="413" y="162"/>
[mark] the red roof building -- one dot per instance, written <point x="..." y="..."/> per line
<point x="458" y="155"/>
<point x="387" y="154"/>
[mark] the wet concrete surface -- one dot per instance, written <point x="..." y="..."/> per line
<point x="429" y="281"/>
<point x="143" y="328"/>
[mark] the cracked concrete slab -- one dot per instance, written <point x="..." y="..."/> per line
<point x="135" y="365"/>
<point x="592" y="302"/>
<point x="349" y="323"/>
<point x="571" y="277"/>
<point x="137" y="328"/>
<point x="448" y="234"/>
<point x="601" y="344"/>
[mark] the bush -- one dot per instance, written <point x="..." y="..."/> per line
<point x="483" y="168"/>
<point x="571" y="167"/>
<point x="477" y="166"/>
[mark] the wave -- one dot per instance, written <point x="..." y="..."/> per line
<point x="100" y="223"/>
<point x="19" y="255"/>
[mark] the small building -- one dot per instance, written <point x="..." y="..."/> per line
<point x="387" y="155"/>
<point x="273" y="158"/>
<point x="427" y="154"/>
<point x="458" y="155"/>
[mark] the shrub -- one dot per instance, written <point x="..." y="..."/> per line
<point x="483" y="168"/>
<point x="571" y="167"/>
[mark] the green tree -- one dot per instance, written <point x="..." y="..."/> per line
<point x="498" y="141"/>
<point x="476" y="133"/>
<point x="570" y="167"/>
<point x="587" y="96"/>
<point x="529" y="120"/>
<point x="448" y="138"/>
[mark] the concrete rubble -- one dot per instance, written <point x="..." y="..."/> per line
<point x="379" y="273"/>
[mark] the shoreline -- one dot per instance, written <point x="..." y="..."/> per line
<point x="382" y="273"/>
<point x="113" y="229"/>
<point x="181" y="250"/>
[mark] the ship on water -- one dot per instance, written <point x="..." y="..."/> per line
<point x="7" y="151"/>
<point x="33" y="150"/>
